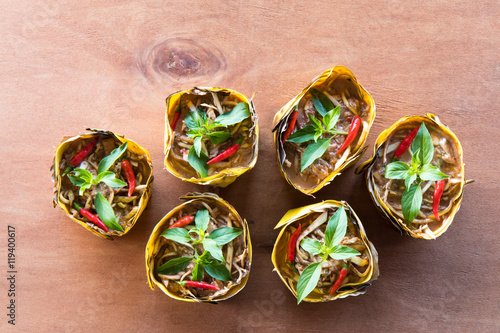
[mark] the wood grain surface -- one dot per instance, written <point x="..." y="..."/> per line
<point x="68" y="65"/>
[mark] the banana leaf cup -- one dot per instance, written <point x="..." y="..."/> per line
<point x="416" y="176"/>
<point x="211" y="135"/>
<point x="326" y="241"/>
<point x="200" y="251"/>
<point x="102" y="181"/>
<point x="321" y="132"/>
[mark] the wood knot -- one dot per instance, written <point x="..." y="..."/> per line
<point x="182" y="59"/>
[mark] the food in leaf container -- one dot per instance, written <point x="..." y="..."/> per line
<point x="416" y="176"/>
<point x="321" y="132"/>
<point x="102" y="181"/>
<point x="200" y="251"/>
<point x="211" y="135"/>
<point x="322" y="252"/>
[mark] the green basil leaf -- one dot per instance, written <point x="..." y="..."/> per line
<point x="193" y="120"/>
<point x="224" y="235"/>
<point x="340" y="252"/>
<point x="219" y="137"/>
<point x="314" y="151"/>
<point x="217" y="270"/>
<point x="199" y="163"/>
<point x="197" y="145"/>
<point x="321" y="102"/>
<point x="410" y="179"/>
<point x="308" y="280"/>
<point x="105" y="213"/>
<point x="302" y="135"/>
<point x="316" y="124"/>
<point x="239" y="113"/>
<point x="84" y="187"/>
<point x="77" y="181"/>
<point x="423" y="142"/>
<point x="336" y="228"/>
<point x="204" y="258"/>
<point x="411" y="202"/>
<point x="415" y="160"/>
<point x="109" y="178"/>
<point x="311" y="245"/>
<point x="317" y="134"/>
<point x="211" y="246"/>
<point x="109" y="160"/>
<point x="331" y="117"/>
<point x="174" y="266"/>
<point x="198" y="272"/>
<point x="83" y="175"/>
<point x="202" y="219"/>
<point x="179" y="235"/>
<point x="430" y="172"/>
<point x="397" y="170"/>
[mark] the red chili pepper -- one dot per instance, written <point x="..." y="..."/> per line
<point x="177" y="115"/>
<point x="201" y="285"/>
<point x="182" y="222"/>
<point x="353" y="131"/>
<point x="129" y="174"/>
<point x="403" y="146"/>
<point x="291" y="126"/>
<point x="291" y="245"/>
<point x="80" y="156"/>
<point x="91" y="217"/>
<point x="438" y="191"/>
<point x="227" y="153"/>
<point x="341" y="278"/>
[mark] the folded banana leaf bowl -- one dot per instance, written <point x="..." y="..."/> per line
<point x="321" y="132"/>
<point x="416" y="176"/>
<point x="322" y="252"/>
<point x="200" y="251"/>
<point x="102" y="181"/>
<point x="211" y="135"/>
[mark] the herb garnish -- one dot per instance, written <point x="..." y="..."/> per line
<point x="334" y="233"/>
<point x="211" y="242"/>
<point x="84" y="179"/>
<point x="419" y="170"/>
<point x="325" y="128"/>
<point x="201" y="128"/>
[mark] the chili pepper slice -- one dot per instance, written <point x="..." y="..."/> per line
<point x="227" y="153"/>
<point x="353" y="131"/>
<point x="438" y="191"/>
<point x="291" y="126"/>
<point x="91" y="217"/>
<point x="403" y="146"/>
<point x="201" y="285"/>
<point x="129" y="174"/>
<point x="80" y="156"/>
<point x="340" y="279"/>
<point x="177" y="115"/>
<point x="291" y="245"/>
<point x="182" y="222"/>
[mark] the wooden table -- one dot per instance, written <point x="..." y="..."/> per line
<point x="71" y="65"/>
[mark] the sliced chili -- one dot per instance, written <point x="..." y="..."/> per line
<point x="438" y="191"/>
<point x="80" y="156"/>
<point x="403" y="146"/>
<point x="227" y="153"/>
<point x="291" y="125"/>
<point x="292" y="244"/>
<point x="201" y="285"/>
<point x="91" y="217"/>
<point x="340" y="279"/>
<point x="353" y="131"/>
<point x="182" y="222"/>
<point x="129" y="174"/>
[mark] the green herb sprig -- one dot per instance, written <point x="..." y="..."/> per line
<point x="325" y="128"/>
<point x="211" y="260"/>
<point x="84" y="179"/>
<point x="335" y="231"/>
<point x="202" y="128"/>
<point x="419" y="170"/>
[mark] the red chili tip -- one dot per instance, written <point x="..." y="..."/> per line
<point x="351" y="135"/>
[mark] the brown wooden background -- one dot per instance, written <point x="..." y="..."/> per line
<point x="68" y="65"/>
